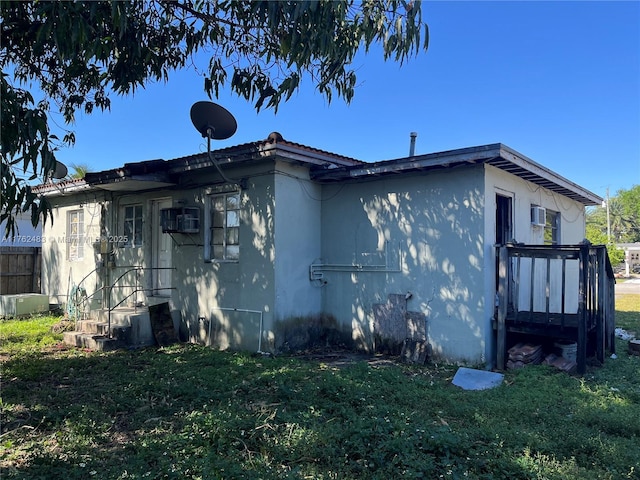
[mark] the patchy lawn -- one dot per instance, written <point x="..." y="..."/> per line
<point x="195" y="413"/>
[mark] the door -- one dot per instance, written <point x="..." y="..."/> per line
<point x="504" y="224"/>
<point x="161" y="245"/>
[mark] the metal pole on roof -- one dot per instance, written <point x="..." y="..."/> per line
<point x="412" y="145"/>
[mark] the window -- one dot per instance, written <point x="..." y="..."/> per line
<point x="132" y="232"/>
<point x="552" y="228"/>
<point x="75" y="235"/>
<point x="222" y="242"/>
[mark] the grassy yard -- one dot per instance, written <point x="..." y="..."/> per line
<point x="188" y="412"/>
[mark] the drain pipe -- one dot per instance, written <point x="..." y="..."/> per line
<point x="412" y="144"/>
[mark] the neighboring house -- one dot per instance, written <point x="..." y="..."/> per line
<point x="631" y="256"/>
<point x="300" y="232"/>
<point x="25" y="235"/>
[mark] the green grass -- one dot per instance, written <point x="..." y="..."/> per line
<point x="191" y="412"/>
<point x="28" y="335"/>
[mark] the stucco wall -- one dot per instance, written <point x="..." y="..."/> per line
<point x="297" y="242"/>
<point x="525" y="194"/>
<point x="279" y="237"/>
<point x="229" y="294"/>
<point x="429" y="232"/>
<point x="59" y="273"/>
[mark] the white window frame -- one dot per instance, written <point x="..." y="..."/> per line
<point x="75" y="235"/>
<point x="222" y="227"/>
<point x="551" y="235"/>
<point x="132" y="217"/>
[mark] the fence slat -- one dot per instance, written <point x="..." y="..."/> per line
<point x="20" y="270"/>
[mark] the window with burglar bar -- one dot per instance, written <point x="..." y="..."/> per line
<point x="132" y="226"/>
<point x="223" y="243"/>
<point x="75" y="235"/>
<point x="552" y="228"/>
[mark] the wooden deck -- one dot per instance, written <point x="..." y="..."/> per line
<point x="556" y="291"/>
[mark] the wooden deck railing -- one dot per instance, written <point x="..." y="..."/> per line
<point x="560" y="291"/>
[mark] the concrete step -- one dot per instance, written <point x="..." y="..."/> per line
<point x="129" y="326"/>
<point x="92" y="326"/>
<point x="94" y="335"/>
<point x="120" y="315"/>
<point x="100" y="343"/>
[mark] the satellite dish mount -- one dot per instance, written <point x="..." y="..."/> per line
<point x="217" y="123"/>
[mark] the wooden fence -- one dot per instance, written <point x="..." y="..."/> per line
<point x="20" y="270"/>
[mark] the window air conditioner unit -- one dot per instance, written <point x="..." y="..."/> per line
<point x="538" y="216"/>
<point x="180" y="220"/>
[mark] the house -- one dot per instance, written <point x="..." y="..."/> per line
<point x="631" y="257"/>
<point x="25" y="235"/>
<point x="264" y="235"/>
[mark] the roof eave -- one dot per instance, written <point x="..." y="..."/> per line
<point x="497" y="155"/>
<point x="557" y="184"/>
<point x="61" y="188"/>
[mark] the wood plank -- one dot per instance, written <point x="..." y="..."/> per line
<point x="600" y="326"/>
<point x="532" y="285"/>
<point x="501" y="334"/>
<point x="549" y="331"/>
<point x="582" y="310"/>
<point x="568" y="320"/>
<point x="547" y="290"/>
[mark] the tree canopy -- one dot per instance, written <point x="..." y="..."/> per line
<point x="80" y="53"/>
<point x="623" y="222"/>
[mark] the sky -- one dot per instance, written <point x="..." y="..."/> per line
<point x="558" y="82"/>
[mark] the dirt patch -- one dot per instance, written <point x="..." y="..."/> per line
<point x="346" y="358"/>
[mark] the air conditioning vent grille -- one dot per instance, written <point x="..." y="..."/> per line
<point x="180" y="220"/>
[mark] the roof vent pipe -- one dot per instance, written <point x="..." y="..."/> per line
<point x="412" y="145"/>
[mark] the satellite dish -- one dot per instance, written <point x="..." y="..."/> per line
<point x="213" y="121"/>
<point x="60" y="171"/>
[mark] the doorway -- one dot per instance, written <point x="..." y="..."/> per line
<point x="161" y="245"/>
<point x="504" y="225"/>
<point x="504" y="222"/>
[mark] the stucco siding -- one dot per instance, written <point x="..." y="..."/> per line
<point x="63" y="268"/>
<point x="427" y="231"/>
<point x="234" y="295"/>
<point x="527" y="194"/>
<point x="297" y="242"/>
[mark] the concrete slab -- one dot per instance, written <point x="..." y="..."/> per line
<point x="472" y="379"/>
